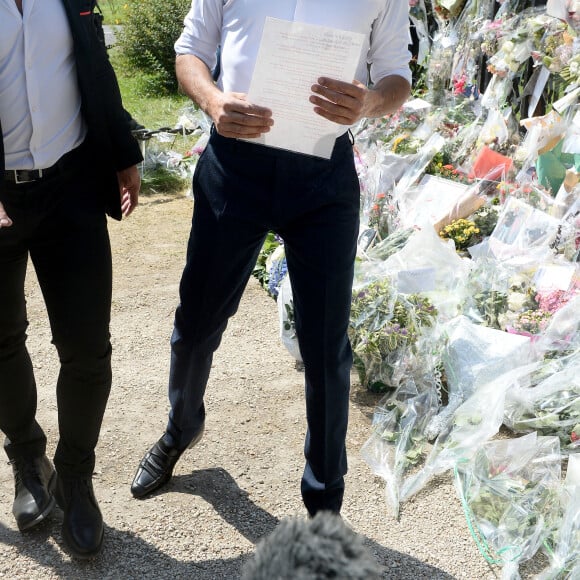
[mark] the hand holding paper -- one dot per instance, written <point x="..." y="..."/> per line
<point x="293" y="59"/>
<point x="339" y="101"/>
<point x="235" y="117"/>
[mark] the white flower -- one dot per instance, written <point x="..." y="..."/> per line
<point x="516" y="301"/>
<point x="508" y="46"/>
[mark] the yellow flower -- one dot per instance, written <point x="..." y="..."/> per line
<point x="398" y="141"/>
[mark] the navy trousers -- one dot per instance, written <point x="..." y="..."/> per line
<point x="60" y="224"/>
<point x="242" y="191"/>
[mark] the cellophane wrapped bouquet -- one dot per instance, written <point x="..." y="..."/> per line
<point x="510" y="492"/>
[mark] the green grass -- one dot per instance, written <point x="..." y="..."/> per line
<point x="154" y="112"/>
<point x="114" y="11"/>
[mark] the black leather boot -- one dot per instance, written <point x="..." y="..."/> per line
<point x="82" y="525"/>
<point x="34" y="483"/>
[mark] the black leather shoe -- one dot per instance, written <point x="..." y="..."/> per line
<point x="34" y="482"/>
<point x="156" y="467"/>
<point x="82" y="524"/>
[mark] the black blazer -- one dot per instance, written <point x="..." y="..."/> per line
<point x="112" y="145"/>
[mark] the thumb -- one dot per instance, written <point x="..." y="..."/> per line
<point x="5" y="221"/>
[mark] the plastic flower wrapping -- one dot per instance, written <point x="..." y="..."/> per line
<point x="286" y="318"/>
<point x="473" y="423"/>
<point x="563" y="548"/>
<point x="510" y="491"/>
<point x="548" y="402"/>
<point x="385" y="329"/>
<point x="398" y="441"/>
<point x="457" y="414"/>
<point x="549" y="405"/>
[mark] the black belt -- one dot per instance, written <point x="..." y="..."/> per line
<point x="63" y="165"/>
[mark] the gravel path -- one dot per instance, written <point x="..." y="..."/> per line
<point x="244" y="476"/>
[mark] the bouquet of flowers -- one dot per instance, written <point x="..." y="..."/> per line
<point x="473" y="423"/>
<point x="277" y="269"/>
<point x="440" y="64"/>
<point x="549" y="404"/>
<point x="474" y="355"/>
<point x="463" y="232"/>
<point x="510" y="494"/>
<point x="553" y="42"/>
<point x="384" y="328"/>
<point x="564" y="552"/>
<point x="487" y="294"/>
<point x="561" y="339"/>
<point x="398" y="442"/>
<point x="287" y="320"/>
<point x="262" y="267"/>
<point x="533" y="301"/>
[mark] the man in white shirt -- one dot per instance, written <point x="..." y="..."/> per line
<point x="67" y="157"/>
<point x="242" y="190"/>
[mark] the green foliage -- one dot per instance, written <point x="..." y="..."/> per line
<point x="162" y="181"/>
<point x="260" y="270"/>
<point x="383" y="324"/>
<point x="153" y="111"/>
<point x="147" y="38"/>
<point x="114" y="11"/>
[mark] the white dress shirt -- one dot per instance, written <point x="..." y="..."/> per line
<point x="40" y="102"/>
<point x="237" y="26"/>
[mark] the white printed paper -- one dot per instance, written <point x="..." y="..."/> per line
<point x="291" y="58"/>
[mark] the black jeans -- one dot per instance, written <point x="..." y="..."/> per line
<point x="241" y="192"/>
<point x="61" y="225"/>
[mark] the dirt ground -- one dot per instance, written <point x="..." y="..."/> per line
<point x="244" y="476"/>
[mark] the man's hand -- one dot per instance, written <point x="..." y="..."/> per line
<point x="231" y="113"/>
<point x="129" y="185"/>
<point x="338" y="101"/>
<point x="5" y="221"/>
<point x="347" y="103"/>
<point x="235" y="117"/>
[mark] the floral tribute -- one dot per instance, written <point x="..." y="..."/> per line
<point x="384" y="328"/>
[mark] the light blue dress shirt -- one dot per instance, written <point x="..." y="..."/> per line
<point x="40" y="102"/>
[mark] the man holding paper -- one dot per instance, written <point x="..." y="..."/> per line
<point x="279" y="67"/>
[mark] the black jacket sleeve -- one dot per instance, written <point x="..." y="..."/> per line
<point x="114" y="147"/>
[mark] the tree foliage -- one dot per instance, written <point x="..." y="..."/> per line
<point x="147" y="38"/>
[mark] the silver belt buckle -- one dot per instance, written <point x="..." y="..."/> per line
<point x="17" y="179"/>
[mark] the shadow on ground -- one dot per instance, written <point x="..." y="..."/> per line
<point x="126" y="555"/>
